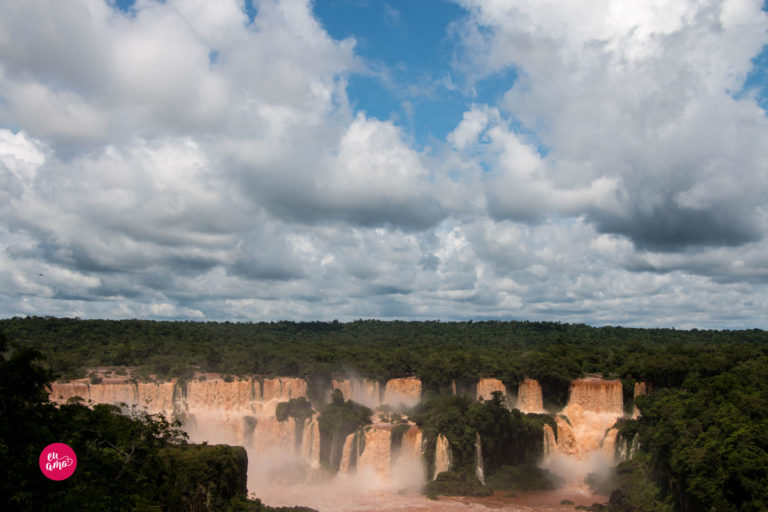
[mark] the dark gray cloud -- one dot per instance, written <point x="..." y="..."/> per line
<point x="670" y="227"/>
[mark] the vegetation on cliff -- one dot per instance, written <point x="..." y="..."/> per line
<point x="509" y="438"/>
<point x="456" y="483"/>
<point x="705" y="442"/>
<point x="337" y="420"/>
<point x="135" y="462"/>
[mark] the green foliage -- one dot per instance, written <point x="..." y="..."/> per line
<point x="125" y="462"/>
<point x="202" y="476"/>
<point x="706" y="442"/>
<point x="627" y="428"/>
<point x="454" y="483"/>
<point x="440" y="353"/>
<point x="508" y="437"/>
<point x="297" y="408"/>
<point x="701" y="431"/>
<point x="630" y="488"/>
<point x="337" y="420"/>
<point x="257" y="506"/>
<point x="524" y="477"/>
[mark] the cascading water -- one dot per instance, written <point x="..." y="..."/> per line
<point x="479" y="468"/>
<point x="443" y="456"/>
<point x="403" y="392"/>
<point x="529" y="397"/>
<point x="626" y="449"/>
<point x="486" y="388"/>
<point x="396" y="392"/>
<point x="550" y="443"/>
<point x="585" y="439"/>
<point x="362" y="391"/>
<point x="242" y="412"/>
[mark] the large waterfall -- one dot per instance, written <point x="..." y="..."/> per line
<point x="585" y="440"/>
<point x="362" y="391"/>
<point x="243" y="412"/>
<point x="396" y="392"/>
<point x="384" y="456"/>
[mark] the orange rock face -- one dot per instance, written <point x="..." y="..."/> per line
<point x="155" y="398"/>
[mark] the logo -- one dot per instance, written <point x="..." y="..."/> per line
<point x="58" y="461"/>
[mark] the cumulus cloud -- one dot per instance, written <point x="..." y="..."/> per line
<point x="181" y="160"/>
<point x="636" y="101"/>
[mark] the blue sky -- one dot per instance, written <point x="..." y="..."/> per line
<point x="408" y="48"/>
<point x="290" y="159"/>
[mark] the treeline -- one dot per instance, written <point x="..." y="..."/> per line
<point x="705" y="444"/>
<point x="438" y="352"/>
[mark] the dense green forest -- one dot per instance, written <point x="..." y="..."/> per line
<point x="438" y="352"/>
<point x="702" y="431"/>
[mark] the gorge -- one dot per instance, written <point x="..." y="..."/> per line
<point x="387" y="455"/>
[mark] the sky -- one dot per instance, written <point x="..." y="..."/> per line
<point x="601" y="162"/>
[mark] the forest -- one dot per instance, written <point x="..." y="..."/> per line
<point x="134" y="462"/>
<point x="702" y="430"/>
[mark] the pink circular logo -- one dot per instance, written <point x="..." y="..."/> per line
<point x="58" y="461"/>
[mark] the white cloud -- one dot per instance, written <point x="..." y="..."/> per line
<point x="181" y="161"/>
<point x="636" y="100"/>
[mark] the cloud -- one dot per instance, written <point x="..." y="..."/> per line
<point x="637" y="102"/>
<point x="184" y="161"/>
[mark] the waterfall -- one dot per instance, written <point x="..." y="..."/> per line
<point x="443" y="458"/>
<point x="349" y="455"/>
<point x="585" y="435"/>
<point x="550" y="444"/>
<point x="376" y="454"/>
<point x="593" y="407"/>
<point x="479" y="469"/>
<point x="529" y="397"/>
<point x="626" y="448"/>
<point x="238" y="412"/>
<point x="486" y="388"/>
<point x="598" y="395"/>
<point x="362" y="391"/>
<point x="609" y="445"/>
<point x="311" y="444"/>
<point x="405" y="392"/>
